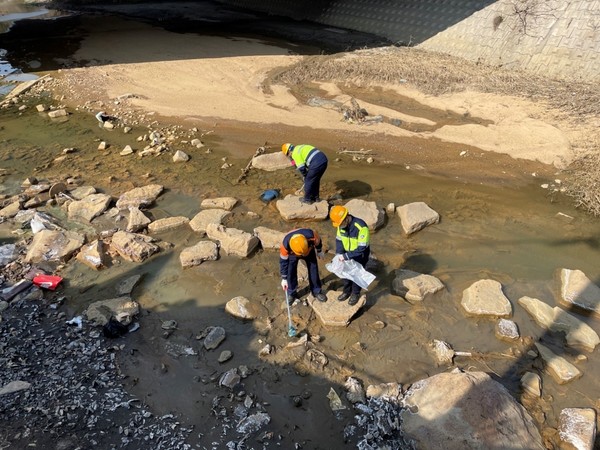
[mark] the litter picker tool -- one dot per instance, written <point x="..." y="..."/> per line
<point x="291" y="329"/>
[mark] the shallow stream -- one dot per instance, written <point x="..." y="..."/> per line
<point x="519" y="235"/>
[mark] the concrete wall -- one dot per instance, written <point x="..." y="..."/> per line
<point x="554" y="37"/>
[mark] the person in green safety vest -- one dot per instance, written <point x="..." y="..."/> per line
<point x="311" y="163"/>
<point x="351" y="242"/>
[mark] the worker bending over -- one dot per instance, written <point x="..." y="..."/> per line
<point x="305" y="244"/>
<point x="351" y="242"/>
<point x="311" y="163"/>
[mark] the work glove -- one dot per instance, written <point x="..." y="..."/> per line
<point x="320" y="255"/>
<point x="284" y="285"/>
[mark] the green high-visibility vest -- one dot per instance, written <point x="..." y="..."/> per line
<point x="354" y="238"/>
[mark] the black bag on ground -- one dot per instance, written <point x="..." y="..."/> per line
<point x="114" y="329"/>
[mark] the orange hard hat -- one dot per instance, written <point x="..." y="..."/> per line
<point x="287" y="148"/>
<point x="337" y="215"/>
<point x="299" y="244"/>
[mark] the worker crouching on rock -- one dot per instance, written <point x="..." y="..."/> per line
<point x="311" y="163"/>
<point x="351" y="242"/>
<point x="305" y="244"/>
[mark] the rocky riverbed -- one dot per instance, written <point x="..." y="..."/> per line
<point x="71" y="378"/>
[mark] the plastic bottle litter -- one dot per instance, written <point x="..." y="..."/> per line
<point x="351" y="270"/>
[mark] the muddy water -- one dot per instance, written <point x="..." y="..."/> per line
<point x="513" y="232"/>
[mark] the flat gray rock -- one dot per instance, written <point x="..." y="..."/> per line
<point x="485" y="298"/>
<point x="414" y="286"/>
<point x="416" y="216"/>
<point x="140" y="196"/>
<point x="167" y="224"/>
<point x="207" y="216"/>
<point x="291" y="208"/>
<point x="334" y="313"/>
<point x="197" y="254"/>
<point x="373" y="216"/>
<point x="233" y="241"/>
<point x="270" y="239"/>
<point x="226" y="203"/>
<point x="89" y="207"/>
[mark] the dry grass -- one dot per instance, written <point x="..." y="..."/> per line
<point x="573" y="101"/>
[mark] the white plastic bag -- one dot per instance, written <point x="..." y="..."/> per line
<point x="351" y="270"/>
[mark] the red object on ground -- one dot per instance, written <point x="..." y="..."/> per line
<point x="47" y="281"/>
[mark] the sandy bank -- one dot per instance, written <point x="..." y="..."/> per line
<point x="184" y="75"/>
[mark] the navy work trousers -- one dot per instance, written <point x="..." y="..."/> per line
<point x="314" y="280"/>
<point x="312" y="182"/>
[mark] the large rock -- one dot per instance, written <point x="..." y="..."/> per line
<point x="242" y="308"/>
<point x="577" y="291"/>
<point x="416" y="216"/>
<point x="578" y="333"/>
<point x="48" y="245"/>
<point x="561" y="370"/>
<point x="271" y="162"/>
<point x="226" y="203"/>
<point x="291" y="208"/>
<point x="206" y="216"/>
<point x="373" y="216"/>
<point x="197" y="254"/>
<point x="233" y="241"/>
<point x="269" y="238"/>
<point x="577" y="428"/>
<point x="414" y="286"/>
<point x="137" y="220"/>
<point x="101" y="311"/>
<point x="334" y="313"/>
<point x="458" y="411"/>
<point x="140" y="196"/>
<point x="485" y="298"/>
<point x="132" y="246"/>
<point x="89" y="207"/>
<point x="93" y="255"/>
<point x="167" y="224"/>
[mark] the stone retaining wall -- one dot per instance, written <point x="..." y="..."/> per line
<point x="553" y="37"/>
